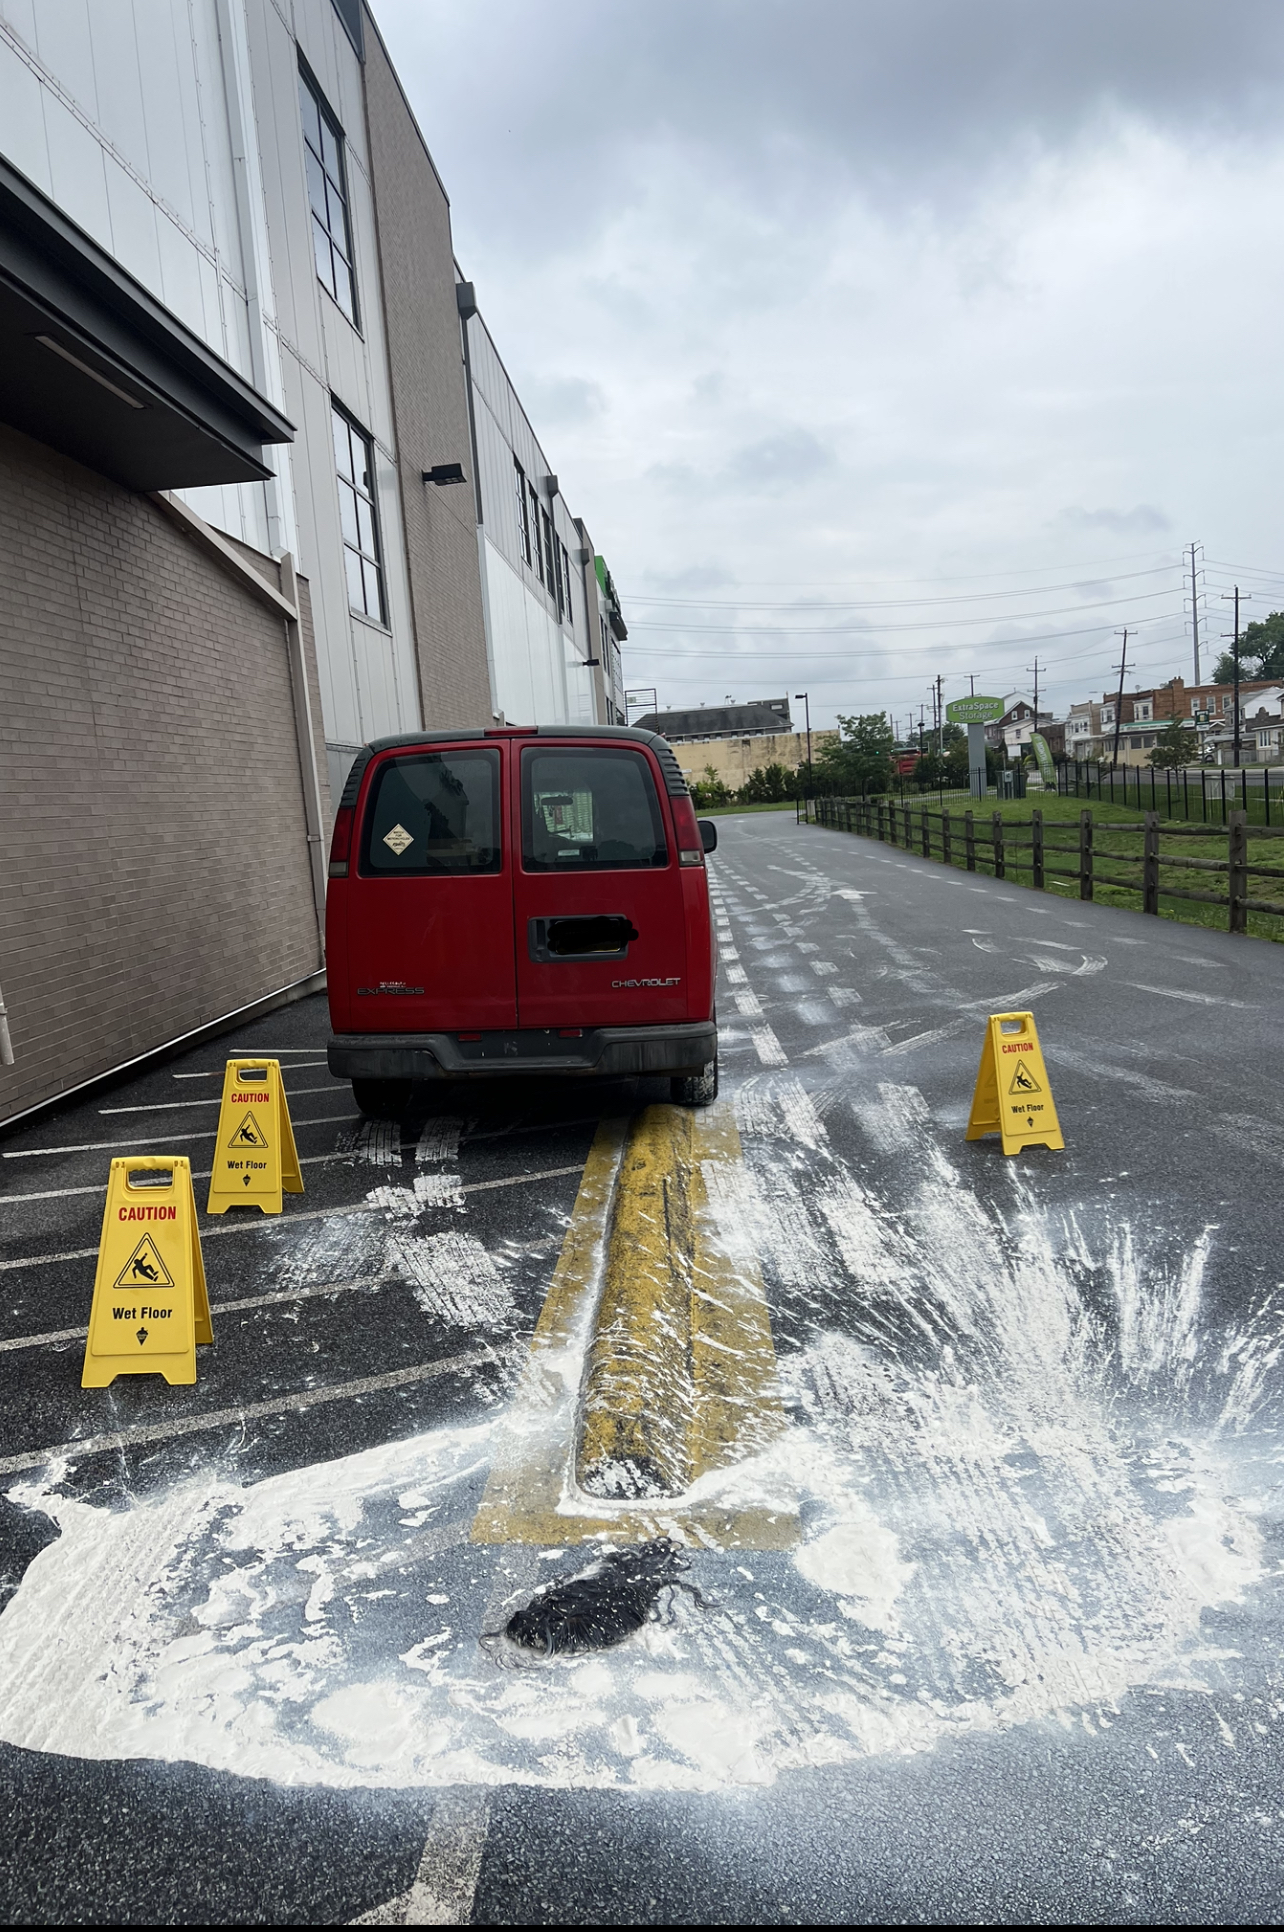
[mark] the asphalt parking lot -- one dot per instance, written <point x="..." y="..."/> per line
<point x="986" y="1624"/>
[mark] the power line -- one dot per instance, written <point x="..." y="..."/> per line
<point x="855" y="651"/>
<point x="891" y="603"/>
<point x="931" y="624"/>
<point x="969" y="577"/>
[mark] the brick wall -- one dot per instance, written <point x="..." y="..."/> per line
<point x="430" y="404"/>
<point x="154" y="869"/>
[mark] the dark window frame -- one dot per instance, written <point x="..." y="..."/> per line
<point x="538" y="565"/>
<point x="568" y="609"/>
<point x="530" y="756"/>
<point x="331" y="189"/>
<point x="490" y="754"/>
<point x="361" y="487"/>
<point x="523" y="515"/>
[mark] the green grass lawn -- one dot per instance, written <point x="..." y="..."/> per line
<point x="1117" y="847"/>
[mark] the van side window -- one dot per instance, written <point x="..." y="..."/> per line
<point x="587" y="811"/>
<point x="433" y="813"/>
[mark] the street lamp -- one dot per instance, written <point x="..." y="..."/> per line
<point x="807" y="705"/>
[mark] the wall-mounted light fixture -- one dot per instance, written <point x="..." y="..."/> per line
<point x="550" y="484"/>
<point x="444" y="473"/>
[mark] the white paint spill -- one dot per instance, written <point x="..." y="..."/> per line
<point x="860" y="1560"/>
<point x="338" y="1247"/>
<point x="439" y="1141"/>
<point x="439" y="1190"/>
<point x="373" y="1142"/>
<point x="1018" y="1466"/>
<point x="453" y="1277"/>
<point x="768" y="1047"/>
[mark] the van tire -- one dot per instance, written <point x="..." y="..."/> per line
<point x="697" y="1089"/>
<point x="382" y="1099"/>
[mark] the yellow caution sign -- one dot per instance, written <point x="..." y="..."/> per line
<point x="1013" y="1095"/>
<point x="150" y="1305"/>
<point x="255" y="1158"/>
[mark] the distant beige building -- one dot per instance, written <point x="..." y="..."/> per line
<point x="735" y="759"/>
<point x="735" y="739"/>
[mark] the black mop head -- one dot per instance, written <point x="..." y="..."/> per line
<point x="603" y="1605"/>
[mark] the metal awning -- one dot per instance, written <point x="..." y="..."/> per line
<point x="95" y="366"/>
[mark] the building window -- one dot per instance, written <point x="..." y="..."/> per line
<point x="533" y="500"/>
<point x="354" y="460"/>
<point x="523" y="518"/>
<point x="328" y="196"/>
<point x="550" y="557"/>
<point x="1107" y="714"/>
<point x="567" y="613"/>
<point x="1142" y="713"/>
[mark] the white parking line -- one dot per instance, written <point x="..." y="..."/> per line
<point x="198" y="1174"/>
<point x="220" y="1418"/>
<point x="54" y="1335"/>
<point x="217" y="1073"/>
<point x="146" y="1140"/>
<point x="307" y="1214"/>
<point x="215" y="1100"/>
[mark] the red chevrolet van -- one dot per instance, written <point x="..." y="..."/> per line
<point x="519" y="900"/>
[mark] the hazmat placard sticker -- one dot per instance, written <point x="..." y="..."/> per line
<point x="1013" y="1097"/>
<point x="150" y="1306"/>
<point x="255" y="1159"/>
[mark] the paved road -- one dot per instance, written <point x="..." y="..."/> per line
<point x="1017" y="1658"/>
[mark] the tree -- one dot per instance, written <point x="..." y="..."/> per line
<point x="1261" y="651"/>
<point x="859" y="760"/>
<point x="1176" y="745"/>
<point x="770" y="785"/>
<point x="711" y="790"/>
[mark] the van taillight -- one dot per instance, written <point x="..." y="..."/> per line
<point x="690" y="844"/>
<point x="341" y="845"/>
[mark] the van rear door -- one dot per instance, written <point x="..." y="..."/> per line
<point x="430" y="943"/>
<point x="600" y="928"/>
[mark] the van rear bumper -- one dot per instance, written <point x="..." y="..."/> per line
<point x="604" y="1052"/>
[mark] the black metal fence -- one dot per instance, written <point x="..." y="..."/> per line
<point x="1204" y="793"/>
<point x="1127" y="857"/>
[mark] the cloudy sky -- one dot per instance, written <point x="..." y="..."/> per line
<point x="877" y="339"/>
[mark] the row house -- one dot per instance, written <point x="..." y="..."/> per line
<point x="1128" y="728"/>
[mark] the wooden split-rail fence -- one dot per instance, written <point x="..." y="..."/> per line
<point x="1061" y="852"/>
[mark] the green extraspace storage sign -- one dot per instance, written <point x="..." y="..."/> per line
<point x="973" y="710"/>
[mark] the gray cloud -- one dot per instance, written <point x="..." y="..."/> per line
<point x="1141" y="522"/>
<point x="880" y="306"/>
<point x="908" y="97"/>
<point x="563" y="399"/>
<point x="779" y="462"/>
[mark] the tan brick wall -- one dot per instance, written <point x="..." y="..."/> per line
<point x="153" y="859"/>
<point x="735" y="759"/>
<point x="430" y="404"/>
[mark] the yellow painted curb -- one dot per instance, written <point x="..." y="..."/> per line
<point x="714" y="1338"/>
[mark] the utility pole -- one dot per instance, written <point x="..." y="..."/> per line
<point x="971" y="685"/>
<point x="940" y="718"/>
<point x="1226" y="594"/>
<point x="1194" y="607"/>
<point x="1119" y="701"/>
<point x="1035" y="668"/>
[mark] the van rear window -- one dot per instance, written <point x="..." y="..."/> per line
<point x="434" y="812"/>
<point x="590" y="810"/>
